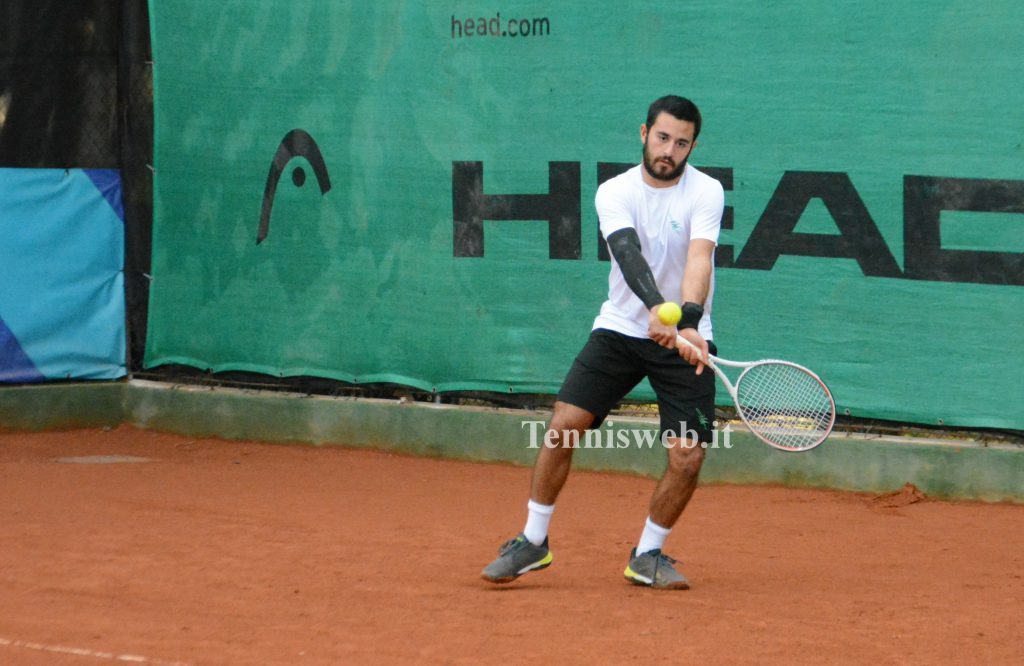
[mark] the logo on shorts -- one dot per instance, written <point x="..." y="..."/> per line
<point x="703" y="420"/>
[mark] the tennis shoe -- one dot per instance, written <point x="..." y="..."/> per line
<point x="654" y="569"/>
<point x="516" y="557"/>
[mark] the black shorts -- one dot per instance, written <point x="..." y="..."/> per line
<point x="610" y="365"/>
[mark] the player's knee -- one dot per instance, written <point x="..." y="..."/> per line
<point x="561" y="436"/>
<point x="568" y="423"/>
<point x="685" y="456"/>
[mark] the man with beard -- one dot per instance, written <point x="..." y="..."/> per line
<point x="661" y="220"/>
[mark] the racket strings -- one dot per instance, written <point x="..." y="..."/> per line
<point x="785" y="404"/>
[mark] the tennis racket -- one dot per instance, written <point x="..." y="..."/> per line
<point x="784" y="404"/>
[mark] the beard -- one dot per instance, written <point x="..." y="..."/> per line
<point x="662" y="168"/>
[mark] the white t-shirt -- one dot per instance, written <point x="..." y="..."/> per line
<point x="665" y="219"/>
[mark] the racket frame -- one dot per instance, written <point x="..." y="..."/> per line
<point x="713" y="362"/>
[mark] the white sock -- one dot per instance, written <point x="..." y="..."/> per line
<point x="537" y="520"/>
<point x="652" y="538"/>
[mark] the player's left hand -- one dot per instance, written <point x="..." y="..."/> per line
<point x="664" y="335"/>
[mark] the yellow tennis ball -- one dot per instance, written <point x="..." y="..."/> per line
<point x="669" y="313"/>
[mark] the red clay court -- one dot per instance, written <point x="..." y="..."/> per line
<point x="218" y="552"/>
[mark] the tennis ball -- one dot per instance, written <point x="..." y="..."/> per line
<point x="669" y="313"/>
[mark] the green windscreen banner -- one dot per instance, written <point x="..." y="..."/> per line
<point x="403" y="191"/>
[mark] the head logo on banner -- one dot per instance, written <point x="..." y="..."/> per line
<point x="296" y="143"/>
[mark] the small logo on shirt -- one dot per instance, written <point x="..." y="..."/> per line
<point x="675" y="226"/>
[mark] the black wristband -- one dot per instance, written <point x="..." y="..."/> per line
<point x="692" y="312"/>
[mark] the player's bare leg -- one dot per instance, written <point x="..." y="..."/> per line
<point x="677" y="484"/>
<point x="554" y="459"/>
<point x="528" y="551"/>
<point x="647" y="564"/>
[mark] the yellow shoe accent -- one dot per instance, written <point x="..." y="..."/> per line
<point x="634" y="577"/>
<point x="540" y="564"/>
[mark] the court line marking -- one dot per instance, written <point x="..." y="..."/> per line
<point x="82" y="652"/>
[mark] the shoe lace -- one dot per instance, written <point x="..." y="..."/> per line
<point x="661" y="559"/>
<point x="510" y="545"/>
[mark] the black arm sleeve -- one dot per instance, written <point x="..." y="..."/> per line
<point x="624" y="245"/>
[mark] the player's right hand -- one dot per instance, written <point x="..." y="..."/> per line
<point x="694" y="356"/>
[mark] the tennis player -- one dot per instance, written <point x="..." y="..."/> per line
<point x="661" y="220"/>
